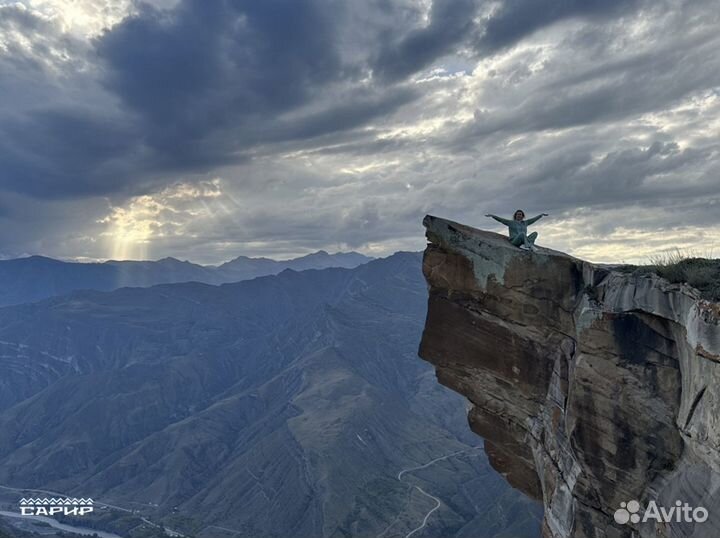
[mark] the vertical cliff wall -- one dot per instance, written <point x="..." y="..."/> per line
<point x="591" y="387"/>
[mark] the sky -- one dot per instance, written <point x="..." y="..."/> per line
<point x="207" y="129"/>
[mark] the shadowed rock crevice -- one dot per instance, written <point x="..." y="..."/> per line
<point x="590" y="386"/>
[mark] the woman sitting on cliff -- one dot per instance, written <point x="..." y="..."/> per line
<point x="517" y="229"/>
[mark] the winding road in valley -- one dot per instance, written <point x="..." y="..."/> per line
<point x="423" y="492"/>
<point x="424" y="521"/>
<point x="400" y="475"/>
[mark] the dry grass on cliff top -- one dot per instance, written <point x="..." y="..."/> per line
<point x="702" y="273"/>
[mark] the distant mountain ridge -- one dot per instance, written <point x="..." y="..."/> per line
<point x="286" y="405"/>
<point x="35" y="278"/>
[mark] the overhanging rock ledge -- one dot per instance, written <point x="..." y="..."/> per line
<point x="591" y="387"/>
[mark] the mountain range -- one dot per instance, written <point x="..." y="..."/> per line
<point x="36" y="277"/>
<point x="286" y="405"/>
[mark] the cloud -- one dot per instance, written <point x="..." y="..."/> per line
<point x="60" y="135"/>
<point x="448" y="26"/>
<point x="479" y="29"/>
<point x="339" y="124"/>
<point x="634" y="175"/>
<point x="212" y="79"/>
<point x="65" y="153"/>
<point x="516" y="19"/>
<point x="166" y="214"/>
<point x="654" y="76"/>
<point x="175" y="91"/>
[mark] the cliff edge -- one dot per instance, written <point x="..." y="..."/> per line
<point x="591" y="387"/>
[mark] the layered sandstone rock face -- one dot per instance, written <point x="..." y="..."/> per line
<point x="591" y="387"/>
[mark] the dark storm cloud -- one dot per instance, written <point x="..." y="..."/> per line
<point x="198" y="86"/>
<point x="53" y="145"/>
<point x="455" y="24"/>
<point x="450" y="22"/>
<point x="362" y="107"/>
<point x="219" y="67"/>
<point x="516" y="19"/>
<point x="64" y="153"/>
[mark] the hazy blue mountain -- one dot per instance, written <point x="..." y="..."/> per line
<point x="280" y="406"/>
<point x="36" y="277"/>
<point x="244" y="268"/>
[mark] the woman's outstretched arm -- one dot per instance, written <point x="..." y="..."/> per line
<point x="506" y="222"/>
<point x="535" y="219"/>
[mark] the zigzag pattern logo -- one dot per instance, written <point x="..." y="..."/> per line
<point x="60" y="501"/>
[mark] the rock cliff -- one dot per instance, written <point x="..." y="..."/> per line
<point x="591" y="387"/>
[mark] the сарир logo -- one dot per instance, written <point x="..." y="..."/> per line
<point x="66" y="506"/>
<point x="629" y="512"/>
